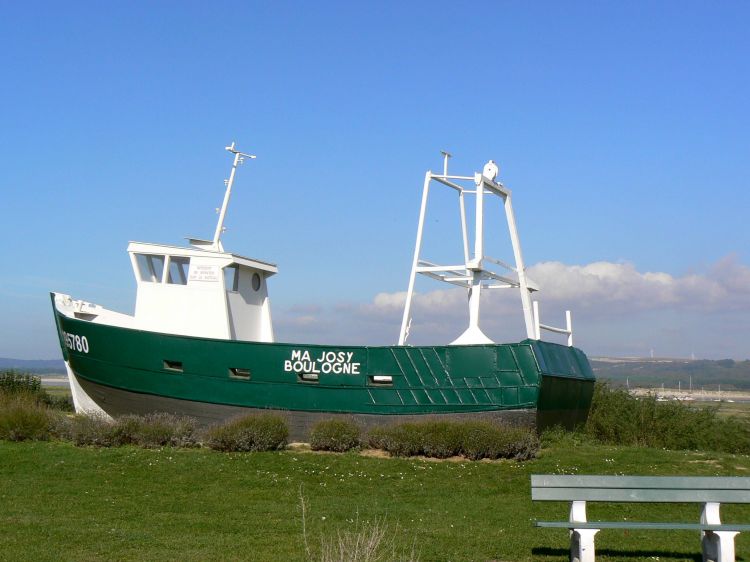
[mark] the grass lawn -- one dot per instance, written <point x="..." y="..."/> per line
<point x="59" y="502"/>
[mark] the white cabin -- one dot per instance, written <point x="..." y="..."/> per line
<point x="202" y="292"/>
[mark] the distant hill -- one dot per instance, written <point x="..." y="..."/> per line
<point x="36" y="366"/>
<point x="652" y="373"/>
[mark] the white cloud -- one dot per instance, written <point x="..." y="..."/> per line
<point x="616" y="309"/>
<point x="726" y="285"/>
<point x="599" y="286"/>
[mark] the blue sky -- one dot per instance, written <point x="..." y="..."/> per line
<point x="622" y="128"/>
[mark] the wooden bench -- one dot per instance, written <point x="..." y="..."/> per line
<point x="717" y="539"/>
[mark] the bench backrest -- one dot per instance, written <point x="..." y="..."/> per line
<point x="554" y="487"/>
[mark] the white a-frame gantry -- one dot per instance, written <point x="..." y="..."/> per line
<point x="473" y="274"/>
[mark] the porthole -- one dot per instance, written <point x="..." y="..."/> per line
<point x="256" y="282"/>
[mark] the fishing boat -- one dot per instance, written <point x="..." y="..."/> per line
<point x="201" y="340"/>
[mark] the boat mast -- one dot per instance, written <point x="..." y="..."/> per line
<point x="239" y="158"/>
<point x="473" y="275"/>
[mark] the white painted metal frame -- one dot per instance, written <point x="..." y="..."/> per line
<point x="716" y="545"/>
<point x="472" y="274"/>
<point x="582" y="547"/>
<point x="568" y="330"/>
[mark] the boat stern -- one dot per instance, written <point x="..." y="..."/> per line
<point x="566" y="385"/>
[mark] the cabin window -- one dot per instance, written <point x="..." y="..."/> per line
<point x="237" y="373"/>
<point x="150" y="267"/>
<point x="170" y="365"/>
<point x="256" y="282"/>
<point x="232" y="278"/>
<point x="178" y="270"/>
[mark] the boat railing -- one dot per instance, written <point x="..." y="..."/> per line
<point x="568" y="330"/>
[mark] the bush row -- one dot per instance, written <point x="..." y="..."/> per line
<point x="22" y="418"/>
<point x="432" y="438"/>
<point x="442" y="439"/>
<point x="618" y="418"/>
<point x="149" y="431"/>
<point x="27" y="412"/>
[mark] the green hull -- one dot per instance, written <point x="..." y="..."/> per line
<point x="117" y="365"/>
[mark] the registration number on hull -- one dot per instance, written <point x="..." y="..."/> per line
<point x="74" y="342"/>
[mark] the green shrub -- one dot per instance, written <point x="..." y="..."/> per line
<point x="483" y="440"/>
<point x="561" y="437"/>
<point x="256" y="432"/>
<point x="124" y="430"/>
<point x="24" y="412"/>
<point x="155" y="430"/>
<point x="88" y="430"/>
<point x="486" y="440"/>
<point x="441" y="439"/>
<point x="14" y="382"/>
<point x="23" y="418"/>
<point x="334" y="435"/>
<point x="523" y="444"/>
<point x="377" y="437"/>
<point x="618" y="418"/>
<point x="62" y="403"/>
<point x="149" y="431"/>
<point x="402" y="440"/>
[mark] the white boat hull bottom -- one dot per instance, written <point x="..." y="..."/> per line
<point x="82" y="402"/>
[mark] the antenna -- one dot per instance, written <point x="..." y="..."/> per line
<point x="446" y="156"/>
<point x="239" y="158"/>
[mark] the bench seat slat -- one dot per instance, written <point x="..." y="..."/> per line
<point x="640" y="482"/>
<point x="640" y="525"/>
<point x="685" y="489"/>
<point x="639" y="495"/>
